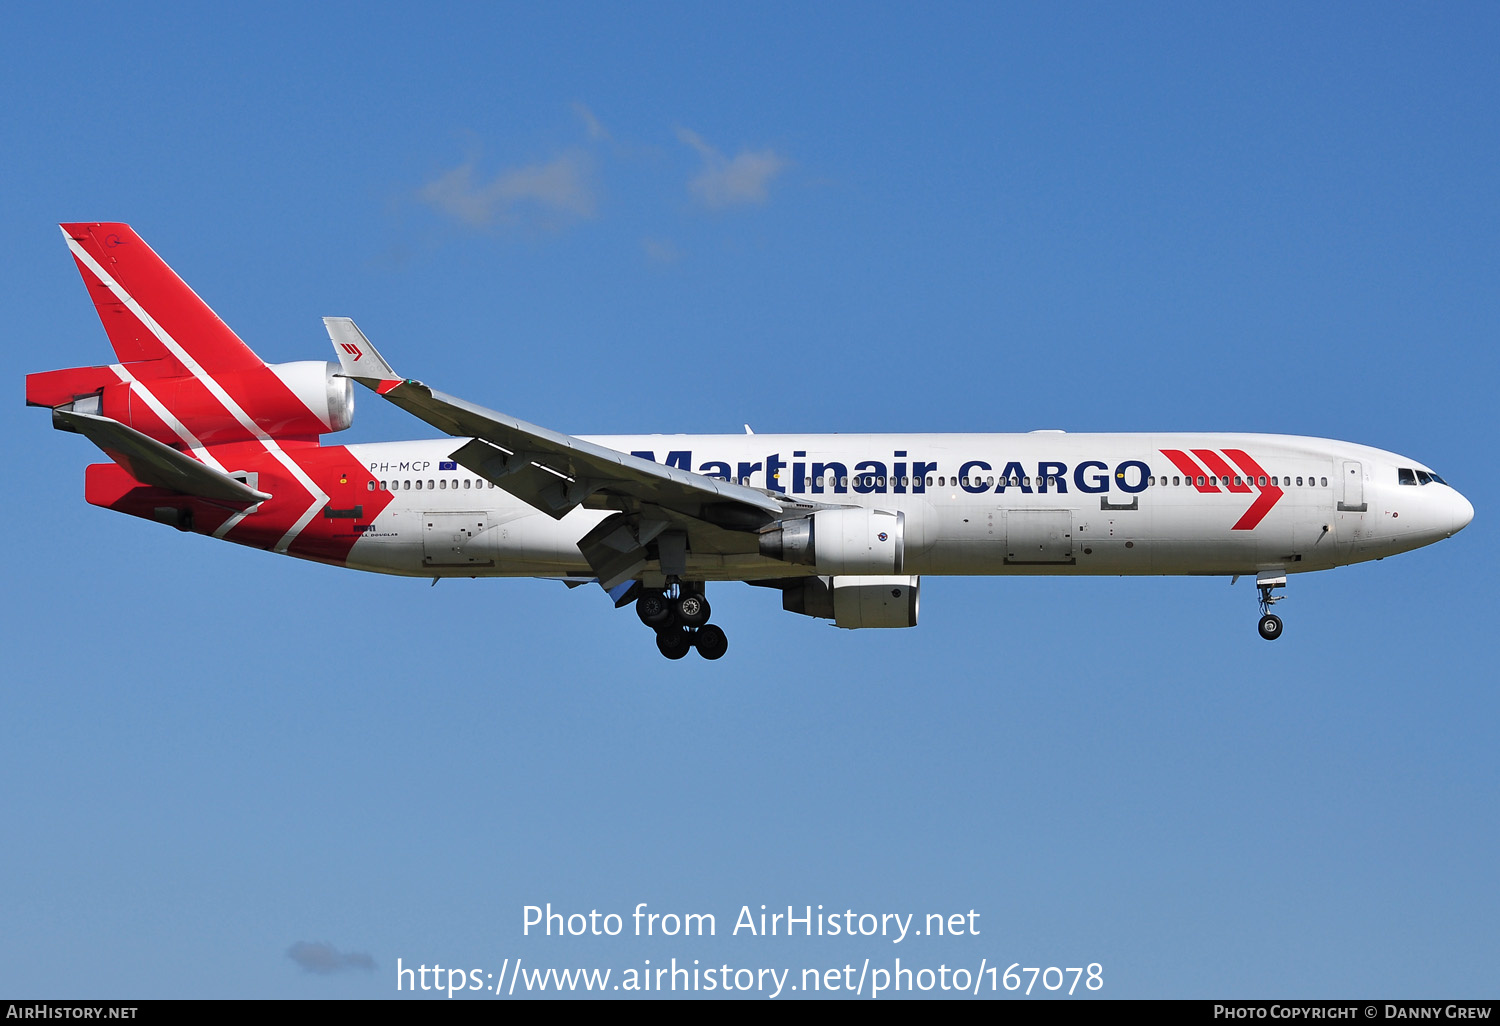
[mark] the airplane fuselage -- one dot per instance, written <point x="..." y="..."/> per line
<point x="981" y="504"/>
<point x="209" y="438"/>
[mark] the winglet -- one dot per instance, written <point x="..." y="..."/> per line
<point x="358" y="358"/>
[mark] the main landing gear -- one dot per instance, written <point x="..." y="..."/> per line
<point x="679" y="615"/>
<point x="1270" y="623"/>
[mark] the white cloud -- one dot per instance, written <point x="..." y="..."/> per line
<point x="560" y="186"/>
<point x="595" y="128"/>
<point x="726" y="181"/>
<point x="325" y="958"/>
<point x="661" y="251"/>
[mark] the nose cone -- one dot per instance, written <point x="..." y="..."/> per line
<point x="1463" y="512"/>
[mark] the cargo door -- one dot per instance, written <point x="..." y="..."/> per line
<point x="1038" y="536"/>
<point x="449" y="539"/>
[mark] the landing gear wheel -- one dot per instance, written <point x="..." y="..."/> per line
<point x="653" y="608"/>
<point x="674" y="643"/>
<point x="1270" y="626"/>
<point x="711" y="642"/>
<point x="692" y="610"/>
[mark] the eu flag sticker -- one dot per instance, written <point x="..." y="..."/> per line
<point x="447" y="464"/>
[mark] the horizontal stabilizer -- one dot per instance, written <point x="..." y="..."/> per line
<point x="153" y="463"/>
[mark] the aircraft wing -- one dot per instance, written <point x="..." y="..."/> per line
<point x="153" y="463"/>
<point x="552" y="471"/>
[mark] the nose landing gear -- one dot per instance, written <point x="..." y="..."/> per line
<point x="1267" y="581"/>
<point x="679" y="615"/>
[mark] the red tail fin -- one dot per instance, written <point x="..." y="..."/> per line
<point x="149" y="313"/>
<point x="184" y="378"/>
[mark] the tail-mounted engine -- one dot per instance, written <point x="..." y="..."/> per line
<point x="841" y="541"/>
<point x="302" y="399"/>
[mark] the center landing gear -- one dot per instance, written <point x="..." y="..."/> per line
<point x="679" y="615"/>
<point x="1270" y="623"/>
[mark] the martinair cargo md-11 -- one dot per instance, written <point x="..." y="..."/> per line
<point x="206" y="437"/>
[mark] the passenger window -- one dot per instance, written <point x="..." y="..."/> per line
<point x="406" y="484"/>
<point x="1200" y="480"/>
<point x="1324" y="481"/>
<point x="370" y="487"/>
<point x="419" y="485"/>
<point x="444" y="483"/>
<point x="1262" y="480"/>
<point x="466" y="482"/>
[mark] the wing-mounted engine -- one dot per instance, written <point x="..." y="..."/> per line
<point x="854" y="602"/>
<point x="841" y="541"/>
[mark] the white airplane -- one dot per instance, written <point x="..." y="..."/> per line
<point x="206" y="437"/>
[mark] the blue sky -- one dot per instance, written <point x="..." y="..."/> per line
<point x="682" y="218"/>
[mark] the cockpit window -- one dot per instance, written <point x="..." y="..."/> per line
<point x="1424" y="477"/>
<point x="1406" y="476"/>
<point x="1439" y="480"/>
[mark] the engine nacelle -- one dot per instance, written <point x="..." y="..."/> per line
<point x="841" y="541"/>
<point x="854" y="602"/>
<point x="303" y="399"/>
<point x="322" y="388"/>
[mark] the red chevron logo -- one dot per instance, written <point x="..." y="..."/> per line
<point x="1216" y="471"/>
